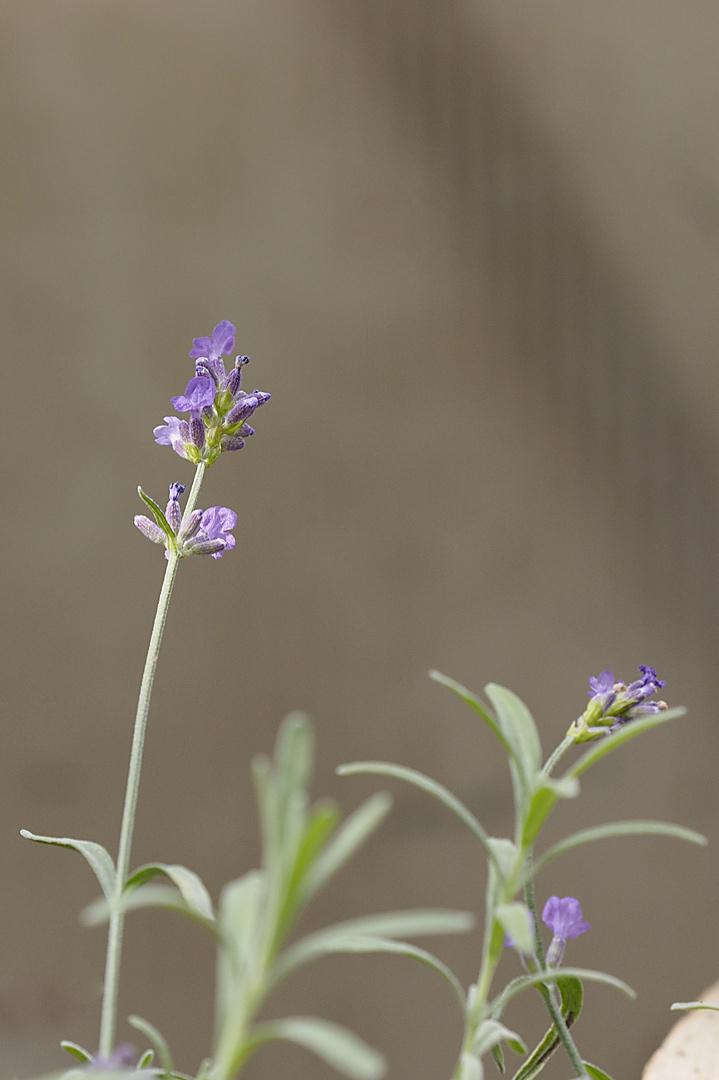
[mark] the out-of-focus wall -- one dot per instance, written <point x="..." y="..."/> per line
<point x="491" y="449"/>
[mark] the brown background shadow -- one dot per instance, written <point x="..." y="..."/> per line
<point x="472" y="251"/>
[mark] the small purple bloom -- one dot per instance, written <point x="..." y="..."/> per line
<point x="200" y="393"/>
<point x="220" y="344"/>
<point x="217" y="523"/>
<point x="563" y="916"/>
<point x="602" y="685"/>
<point x="213" y="349"/>
<point x="208" y="532"/>
<point x="174" y="433"/>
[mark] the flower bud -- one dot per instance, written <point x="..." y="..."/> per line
<point x="232" y="442"/>
<point x="173" y="513"/>
<point x="189" y="527"/>
<point x="206" y="547"/>
<point x="150" y="529"/>
<point x="197" y="432"/>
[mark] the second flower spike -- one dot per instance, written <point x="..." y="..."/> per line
<point x="203" y="532"/>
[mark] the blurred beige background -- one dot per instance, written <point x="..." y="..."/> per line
<point x="473" y="251"/>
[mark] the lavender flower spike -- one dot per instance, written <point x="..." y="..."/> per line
<point x="204" y="532"/>
<point x="612" y="704"/>
<point x="217" y="405"/>
<point x="563" y="916"/>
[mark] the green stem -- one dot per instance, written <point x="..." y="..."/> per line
<point x="114" y="938"/>
<point x="557" y="754"/>
<point x="563" y="1032"/>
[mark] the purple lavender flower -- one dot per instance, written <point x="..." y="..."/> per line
<point x="207" y="532"/>
<point x="175" y="433"/>
<point x="612" y="704"/>
<point x="213" y="536"/>
<point x="200" y="394"/>
<point x="563" y="916"/>
<point x="213" y="349"/>
<point x="217" y="405"/>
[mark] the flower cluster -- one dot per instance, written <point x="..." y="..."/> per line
<point x="612" y="704"/>
<point x="218" y="406"/>
<point x="203" y="532"/>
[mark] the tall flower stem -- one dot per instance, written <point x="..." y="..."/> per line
<point x="108" y="1021"/>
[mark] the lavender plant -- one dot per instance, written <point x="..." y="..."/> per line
<point x="303" y="846"/>
<point x="615" y="714"/>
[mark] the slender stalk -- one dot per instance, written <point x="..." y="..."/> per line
<point x="114" y="938"/>
<point x="557" y="754"/>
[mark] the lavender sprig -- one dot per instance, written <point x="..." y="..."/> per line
<point x="218" y="406"/>
<point x="209" y="397"/>
<point x="613" y="704"/>
<point x="201" y="532"/>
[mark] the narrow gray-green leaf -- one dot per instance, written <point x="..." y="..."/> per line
<point x="394" y="924"/>
<point x="618" y="828"/>
<point x="187" y="881"/>
<point x="158" y="514"/>
<point x="470" y="1068"/>
<point x="292" y="764"/>
<point x="350" y="836"/>
<point x="156" y="1040"/>
<point x="551" y="976"/>
<point x="145" y="896"/>
<point x="362" y="943"/>
<point x="411" y="776"/>
<point x="97" y="856"/>
<point x="334" y="1044"/>
<point x="241" y="908"/>
<point x="474" y="703"/>
<point x="572" y="994"/>
<point x="606" y="744"/>
<point x="544" y="798"/>
<point x="694" y="1005"/>
<point x="504" y="856"/>
<point x="490" y="1033"/>
<point x="518" y="726"/>
<point x="516" y="921"/>
<point x="76" y="1051"/>
<point x="595" y="1072"/>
